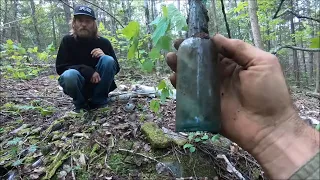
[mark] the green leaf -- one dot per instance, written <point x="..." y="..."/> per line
<point x="9" y="42"/>
<point x="215" y="137"/>
<point x="197" y="140"/>
<point x="162" y="84"/>
<point x="14" y="141"/>
<point x="160" y="30"/>
<point x="155" y="105"/>
<point x="164" y="94"/>
<point x="131" y="30"/>
<point x="192" y="149"/>
<point x="148" y="65"/>
<point x="156" y="21"/>
<point x="155" y="53"/>
<point x="17" y="162"/>
<point x="164" y="43"/>
<point x="318" y="127"/>
<point x="133" y="48"/>
<point x="32" y="148"/>
<point x="191" y="135"/>
<point x="1" y="130"/>
<point x="187" y="146"/>
<point x="45" y="112"/>
<point x="177" y="19"/>
<point x="165" y="11"/>
<point x="205" y="137"/>
<point x="315" y="42"/>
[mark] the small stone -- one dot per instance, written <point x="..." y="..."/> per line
<point x="106" y="124"/>
<point x="62" y="174"/>
<point x="155" y="135"/>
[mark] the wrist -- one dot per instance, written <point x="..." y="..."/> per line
<point x="286" y="147"/>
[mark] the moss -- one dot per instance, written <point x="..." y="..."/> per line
<point x="29" y="159"/>
<point x="95" y="148"/>
<point x="54" y="126"/>
<point x="59" y="159"/>
<point x="155" y="135"/>
<point x="117" y="165"/>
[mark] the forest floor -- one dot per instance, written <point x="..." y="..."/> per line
<point x="40" y="138"/>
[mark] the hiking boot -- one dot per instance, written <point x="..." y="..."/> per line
<point x="84" y="108"/>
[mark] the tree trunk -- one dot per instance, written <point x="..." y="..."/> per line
<point x="17" y="28"/>
<point x="214" y="18"/>
<point x="34" y="19"/>
<point x="295" y="56"/>
<point x="5" y="19"/>
<point x="253" y="8"/>
<point x="54" y="31"/>
<point x="311" y="54"/>
<point x="197" y="18"/>
<point x="238" y="25"/>
<point x="178" y="2"/>
<point x="125" y="15"/>
<point x="146" y="12"/>
<point x="67" y="15"/>
<point x="153" y="9"/>
<point x="317" y="55"/>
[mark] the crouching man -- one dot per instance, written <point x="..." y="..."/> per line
<point x="86" y="62"/>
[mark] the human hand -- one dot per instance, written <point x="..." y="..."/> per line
<point x="95" y="78"/>
<point x="97" y="52"/>
<point x="256" y="108"/>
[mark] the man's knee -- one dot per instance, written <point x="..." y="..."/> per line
<point x="70" y="78"/>
<point x="107" y="61"/>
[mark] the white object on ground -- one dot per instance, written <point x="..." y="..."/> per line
<point x="230" y="168"/>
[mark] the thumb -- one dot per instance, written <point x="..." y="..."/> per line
<point x="237" y="50"/>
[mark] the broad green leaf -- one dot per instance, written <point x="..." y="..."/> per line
<point x="205" y="137"/>
<point x="17" y="162"/>
<point x="156" y="21"/>
<point x="187" y="146"/>
<point x="148" y="65"/>
<point x="164" y="43"/>
<point x="154" y="105"/>
<point x="190" y="137"/>
<point x="215" y="137"/>
<point x="318" y="127"/>
<point x="315" y="42"/>
<point x="164" y="94"/>
<point x="197" y="140"/>
<point x="177" y="19"/>
<point x="14" y="141"/>
<point x="192" y="149"/>
<point x="165" y="11"/>
<point x="160" y="30"/>
<point x="131" y="30"/>
<point x="162" y="84"/>
<point x="46" y="112"/>
<point x="133" y="48"/>
<point x="155" y="53"/>
<point x="9" y="42"/>
<point x="1" y="130"/>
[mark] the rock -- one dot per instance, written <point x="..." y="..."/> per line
<point x="129" y="107"/>
<point x="62" y="174"/>
<point x="168" y="168"/>
<point x="106" y="124"/>
<point x="155" y="135"/>
<point x="175" y="137"/>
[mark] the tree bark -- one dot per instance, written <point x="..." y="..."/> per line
<point x="253" y="8"/>
<point x="238" y="25"/>
<point x="17" y="28"/>
<point x="295" y="56"/>
<point x="146" y="12"/>
<point x="53" y="28"/>
<point x="125" y="15"/>
<point x="197" y="18"/>
<point x="214" y="18"/>
<point x="5" y="19"/>
<point x="34" y="19"/>
<point x="67" y="15"/>
<point x="310" y="22"/>
<point x="178" y="2"/>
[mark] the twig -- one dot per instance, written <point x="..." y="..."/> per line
<point x="231" y="166"/>
<point x="101" y="144"/>
<point x="194" y="172"/>
<point x="148" y="157"/>
<point x="296" y="48"/>
<point x="163" y="155"/>
<point x="104" y="11"/>
<point x="225" y="18"/>
<point x="71" y="164"/>
<point x="297" y="15"/>
<point x="175" y="153"/>
<point x="279" y="7"/>
<point x="66" y="4"/>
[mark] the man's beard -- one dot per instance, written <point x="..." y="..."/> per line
<point x="84" y="33"/>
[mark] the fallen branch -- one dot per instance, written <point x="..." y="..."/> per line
<point x="297" y="15"/>
<point x="295" y="48"/>
<point x="104" y="11"/>
<point x="313" y="94"/>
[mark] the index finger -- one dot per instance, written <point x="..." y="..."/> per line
<point x="95" y="49"/>
<point x="239" y="51"/>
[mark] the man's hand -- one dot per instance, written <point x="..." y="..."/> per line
<point x="97" y="52"/>
<point x="95" y="78"/>
<point x="256" y="108"/>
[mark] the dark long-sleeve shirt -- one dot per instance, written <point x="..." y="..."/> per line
<point x="75" y="54"/>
